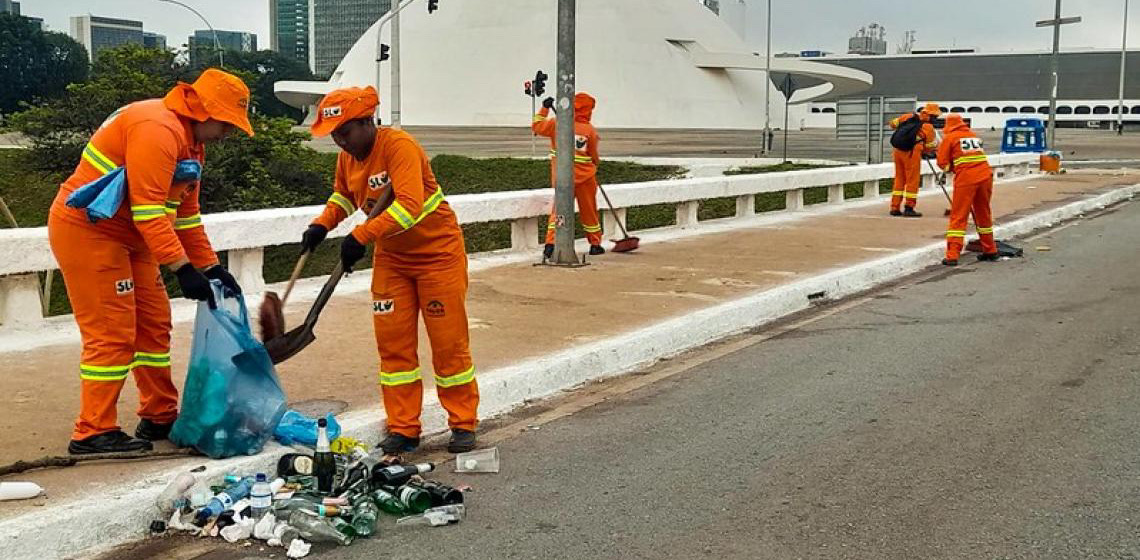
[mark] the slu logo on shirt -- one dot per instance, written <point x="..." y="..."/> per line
<point x="383" y="306"/>
<point x="379" y="180"/>
<point x="124" y="287"/>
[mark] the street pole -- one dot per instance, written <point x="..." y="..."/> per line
<point x="564" y="253"/>
<point x="217" y="45"/>
<point x="395" y="70"/>
<point x="1123" y="54"/>
<point x="1056" y="24"/>
<point x="787" y="97"/>
<point x="767" y="82"/>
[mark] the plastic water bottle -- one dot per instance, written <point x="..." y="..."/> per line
<point x="260" y="497"/>
<point x="223" y="500"/>
<point x="176" y="491"/>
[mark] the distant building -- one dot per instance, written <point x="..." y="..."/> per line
<point x="335" y="26"/>
<point x="289" y="28"/>
<point x="10" y="7"/>
<point x="98" y="34"/>
<point x="154" y="41"/>
<point x="870" y="40"/>
<point x="202" y="43"/>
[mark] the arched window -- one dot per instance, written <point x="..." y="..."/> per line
<point x="828" y="109"/>
<point x="992" y="109"/>
<point x="958" y="109"/>
<point x="1084" y="110"/>
<point x="1009" y="109"/>
<point x="943" y="109"/>
<point x="974" y="109"/>
<point x="1136" y="109"/>
<point x="1064" y="110"/>
<point x="1028" y="109"/>
<point x="1100" y="110"/>
<point x="815" y="109"/>
<point x="1044" y="109"/>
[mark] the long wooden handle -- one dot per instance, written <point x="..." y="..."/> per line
<point x="624" y="233"/>
<point x="293" y="278"/>
<point x="8" y="214"/>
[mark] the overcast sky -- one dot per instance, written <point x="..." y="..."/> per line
<point x="991" y="25"/>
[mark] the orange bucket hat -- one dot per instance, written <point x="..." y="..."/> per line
<point x="215" y="94"/>
<point x="343" y="105"/>
<point x="932" y="109"/>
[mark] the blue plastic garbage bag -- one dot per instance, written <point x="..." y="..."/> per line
<point x="232" y="400"/>
<point x="298" y="428"/>
<point x="101" y="197"/>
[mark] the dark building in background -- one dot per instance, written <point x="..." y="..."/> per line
<point x="289" y="28"/>
<point x="201" y="43"/>
<point x="97" y="34"/>
<point x="336" y="25"/>
<point x="10" y="7"/>
<point x="154" y="40"/>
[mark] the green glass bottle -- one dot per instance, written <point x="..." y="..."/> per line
<point x="415" y="499"/>
<point x="364" y="516"/>
<point x="387" y="502"/>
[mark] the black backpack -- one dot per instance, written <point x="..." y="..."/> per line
<point x="905" y="137"/>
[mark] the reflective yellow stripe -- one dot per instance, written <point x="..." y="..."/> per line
<point x="591" y="229"/>
<point x="399" y="377"/>
<point x="985" y="230"/>
<point x="147" y="212"/>
<point x="577" y="158"/>
<point x="343" y="202"/>
<point x="172" y="206"/>
<point x="188" y="222"/>
<point x="910" y="195"/>
<point x="455" y="380"/>
<point x="405" y="219"/>
<point x="551" y="225"/>
<point x="96" y="158"/>
<point x="147" y="359"/>
<point x="103" y="373"/>
<point x="897" y="193"/>
<point x="955" y="233"/>
<point x="401" y="216"/>
<point x="970" y="159"/>
<point x="538" y="118"/>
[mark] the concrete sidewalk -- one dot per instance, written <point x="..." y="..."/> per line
<point x="520" y="313"/>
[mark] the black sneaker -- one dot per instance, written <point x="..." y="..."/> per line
<point x="950" y="262"/>
<point x="988" y="257"/>
<point x="462" y="441"/>
<point x="548" y="250"/>
<point x="109" y="442"/>
<point x="597" y="250"/>
<point x="910" y="212"/>
<point x="399" y="443"/>
<point x="896" y="212"/>
<point x="153" y="431"/>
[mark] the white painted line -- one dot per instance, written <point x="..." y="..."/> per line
<point x="118" y="515"/>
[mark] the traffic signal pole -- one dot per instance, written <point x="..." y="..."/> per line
<point x="564" y="253"/>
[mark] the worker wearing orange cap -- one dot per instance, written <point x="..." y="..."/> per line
<point x="111" y="267"/>
<point x="419" y="265"/>
<point x="920" y="142"/>
<point x="586" y="161"/>
<point x="961" y="153"/>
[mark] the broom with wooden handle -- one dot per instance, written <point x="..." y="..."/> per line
<point x="271" y="316"/>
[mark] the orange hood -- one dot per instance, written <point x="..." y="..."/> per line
<point x="584" y="105"/>
<point x="954" y="123"/>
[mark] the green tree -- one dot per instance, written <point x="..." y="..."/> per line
<point x="34" y="64"/>
<point x="266" y="68"/>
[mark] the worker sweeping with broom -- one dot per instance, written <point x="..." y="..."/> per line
<point x="130" y="206"/>
<point x="419" y="265"/>
<point x="961" y="153"/>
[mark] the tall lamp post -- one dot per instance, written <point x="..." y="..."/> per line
<point x="767" y="81"/>
<point x="1056" y="24"/>
<point x="217" y="45"/>
<point x="1123" y="54"/>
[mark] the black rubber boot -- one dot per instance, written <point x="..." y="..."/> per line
<point x="399" y="443"/>
<point x="109" y="442"/>
<point x="991" y="257"/>
<point x="896" y="212"/>
<point x="548" y="250"/>
<point x="597" y="250"/>
<point x="462" y="441"/>
<point x="950" y="262"/>
<point x="153" y="431"/>
<point x="909" y="212"/>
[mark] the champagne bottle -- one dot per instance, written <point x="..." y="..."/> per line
<point x="324" y="464"/>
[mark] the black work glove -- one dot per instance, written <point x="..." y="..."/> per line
<point x="351" y="251"/>
<point x="313" y="237"/>
<point x="195" y="285"/>
<point x="219" y="273"/>
<point x="548" y="102"/>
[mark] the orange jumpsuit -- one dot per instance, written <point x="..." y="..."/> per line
<point x="586" y="161"/>
<point x="961" y="152"/>
<point x="419" y="266"/>
<point x="908" y="165"/>
<point x="111" y="267"/>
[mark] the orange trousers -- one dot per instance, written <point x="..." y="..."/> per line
<point x="967" y="197"/>
<point x="120" y="304"/>
<point x="400" y="294"/>
<point x="908" y="175"/>
<point x="586" y="193"/>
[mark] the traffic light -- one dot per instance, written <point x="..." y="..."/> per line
<point x="433" y="5"/>
<point x="384" y="52"/>
<point x="526" y="88"/>
<point x="539" y="86"/>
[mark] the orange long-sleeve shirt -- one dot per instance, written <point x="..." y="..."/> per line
<point x="149" y="139"/>
<point x="928" y="140"/>
<point x="419" y="226"/>
<point x="586" y="158"/>
<point x="961" y="152"/>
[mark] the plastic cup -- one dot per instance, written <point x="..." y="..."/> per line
<point x="478" y="461"/>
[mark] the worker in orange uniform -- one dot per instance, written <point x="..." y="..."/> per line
<point x="961" y="153"/>
<point x="111" y="267"/>
<point x="908" y="163"/>
<point x="586" y="161"/>
<point x="419" y="265"/>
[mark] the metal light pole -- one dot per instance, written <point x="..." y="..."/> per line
<point x="767" y="82"/>
<point x="564" y="253"/>
<point x="1056" y="24"/>
<point x="217" y="45"/>
<point x="395" y="68"/>
<point x="1123" y="54"/>
<point x="394" y="55"/>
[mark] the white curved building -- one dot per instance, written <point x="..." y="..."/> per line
<point x="650" y="63"/>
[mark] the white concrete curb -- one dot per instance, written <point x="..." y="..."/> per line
<point x="119" y="515"/>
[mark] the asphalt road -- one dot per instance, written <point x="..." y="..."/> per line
<point x="988" y="411"/>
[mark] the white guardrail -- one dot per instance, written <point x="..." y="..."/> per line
<point x="24" y="252"/>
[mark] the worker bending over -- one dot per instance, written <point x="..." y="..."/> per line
<point x="111" y="266"/>
<point x="419" y="265"/>
<point x="913" y="139"/>
<point x="586" y="161"/>
<point x="961" y="153"/>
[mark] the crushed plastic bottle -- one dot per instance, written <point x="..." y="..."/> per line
<point x="174" y="494"/>
<point x="442" y="515"/>
<point x="222" y="501"/>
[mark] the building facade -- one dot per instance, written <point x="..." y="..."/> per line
<point x="10" y="7"/>
<point x="335" y="26"/>
<point x="98" y="34"/>
<point x="201" y="43"/>
<point x="289" y="28"/>
<point x="154" y="40"/>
